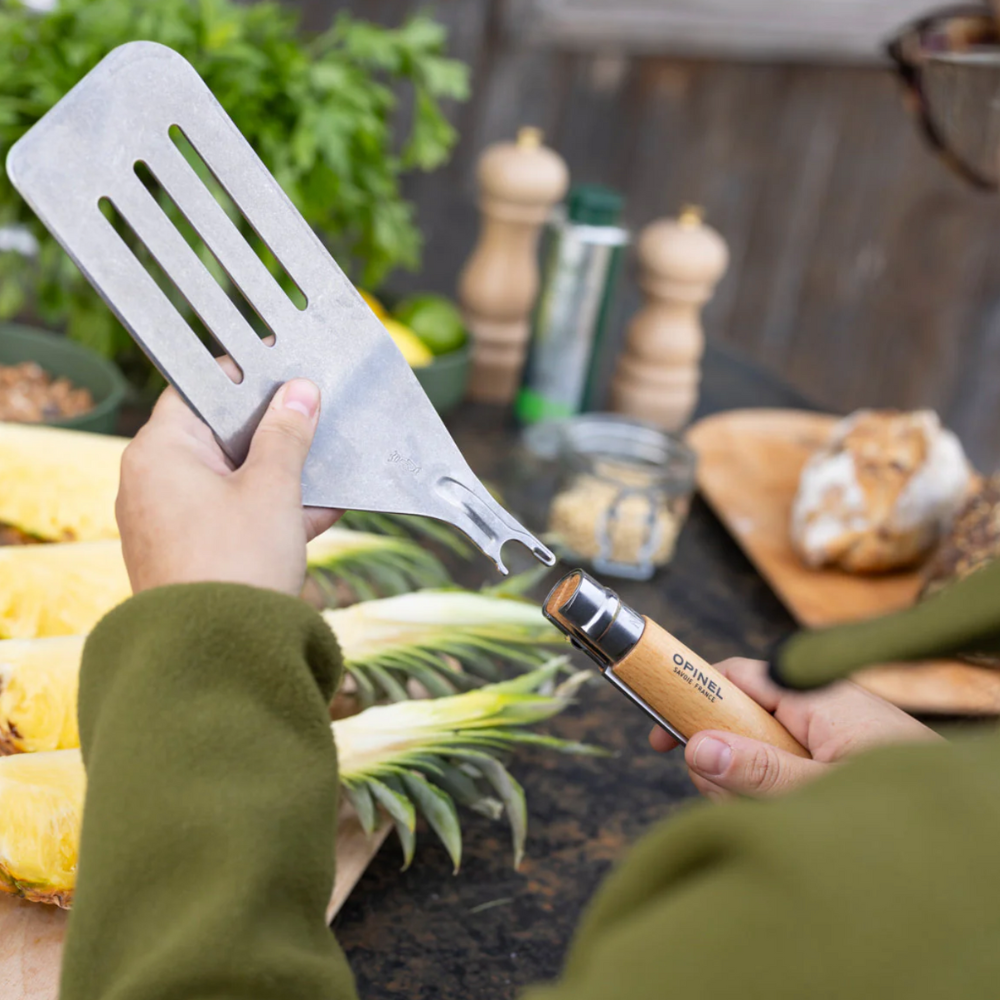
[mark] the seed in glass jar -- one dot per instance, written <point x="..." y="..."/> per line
<point x="591" y="505"/>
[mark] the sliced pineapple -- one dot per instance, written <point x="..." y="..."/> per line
<point x="38" y="691"/>
<point x="420" y="757"/>
<point x="41" y="804"/>
<point x="66" y="589"/>
<point x="59" y="485"/>
<point x="446" y="640"/>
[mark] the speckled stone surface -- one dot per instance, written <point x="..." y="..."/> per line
<point x="489" y="931"/>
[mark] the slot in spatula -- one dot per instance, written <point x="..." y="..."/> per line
<point x="380" y="445"/>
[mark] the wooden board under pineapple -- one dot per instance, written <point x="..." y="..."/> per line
<point x="749" y="463"/>
<point x="32" y="934"/>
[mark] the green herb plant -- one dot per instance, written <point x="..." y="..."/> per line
<point x="322" y="113"/>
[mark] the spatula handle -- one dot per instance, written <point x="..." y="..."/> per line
<point x="693" y="696"/>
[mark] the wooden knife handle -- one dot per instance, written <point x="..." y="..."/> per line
<point x="692" y="696"/>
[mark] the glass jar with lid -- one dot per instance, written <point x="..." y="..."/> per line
<point x="622" y="490"/>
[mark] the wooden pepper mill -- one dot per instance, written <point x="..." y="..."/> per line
<point x="519" y="183"/>
<point x="658" y="375"/>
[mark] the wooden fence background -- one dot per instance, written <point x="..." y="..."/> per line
<point x="862" y="271"/>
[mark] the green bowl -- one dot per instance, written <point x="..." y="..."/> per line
<point x="85" y="368"/>
<point x="445" y="378"/>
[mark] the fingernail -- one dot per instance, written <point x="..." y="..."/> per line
<point x="712" y="756"/>
<point x="302" y="396"/>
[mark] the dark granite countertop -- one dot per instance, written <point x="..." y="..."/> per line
<point x="489" y="931"/>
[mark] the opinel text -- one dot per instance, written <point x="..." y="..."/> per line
<point x="698" y="679"/>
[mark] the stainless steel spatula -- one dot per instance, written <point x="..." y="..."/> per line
<point x="380" y="445"/>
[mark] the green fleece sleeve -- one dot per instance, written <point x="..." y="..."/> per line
<point x="962" y="618"/>
<point x="879" y="880"/>
<point x="207" y="853"/>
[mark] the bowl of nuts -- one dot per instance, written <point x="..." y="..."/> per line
<point x="46" y="378"/>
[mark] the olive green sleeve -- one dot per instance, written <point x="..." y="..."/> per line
<point x="962" y="618"/>
<point x="880" y="880"/>
<point x="207" y="853"/>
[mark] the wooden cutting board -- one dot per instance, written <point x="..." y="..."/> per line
<point x="31" y="935"/>
<point x="749" y="463"/>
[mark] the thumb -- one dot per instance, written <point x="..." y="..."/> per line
<point x="282" y="440"/>
<point x="743" y="766"/>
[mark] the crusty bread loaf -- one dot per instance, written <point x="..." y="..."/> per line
<point x="972" y="543"/>
<point x="881" y="492"/>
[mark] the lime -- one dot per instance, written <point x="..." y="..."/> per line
<point x="435" y="320"/>
<point x="412" y="347"/>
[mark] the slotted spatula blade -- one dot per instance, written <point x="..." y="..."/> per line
<point x="380" y="445"/>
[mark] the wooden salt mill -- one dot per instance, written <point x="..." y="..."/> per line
<point x="658" y="375"/>
<point x="519" y="184"/>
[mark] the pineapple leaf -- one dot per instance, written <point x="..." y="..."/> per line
<point x="477" y="662"/>
<point x="422" y="635"/>
<point x="460" y="786"/>
<point x="510" y="792"/>
<point x="328" y="590"/>
<point x="388" y="683"/>
<point x="517" y="586"/>
<point x="366" y="692"/>
<point x="434" y="753"/>
<point x="407" y="526"/>
<point x="562" y="746"/>
<point x="372" y="565"/>
<point x="437" y="686"/>
<point x="488" y="806"/>
<point x="540" y="680"/>
<point x="361" y="798"/>
<point x="362" y="590"/>
<point x="440" y="811"/>
<point x="401" y="812"/>
<point x="435" y="531"/>
<point x="377" y="524"/>
<point x="569" y="687"/>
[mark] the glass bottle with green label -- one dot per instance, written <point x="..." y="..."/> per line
<point x="583" y="248"/>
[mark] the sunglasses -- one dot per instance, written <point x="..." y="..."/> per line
<point x="949" y="64"/>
